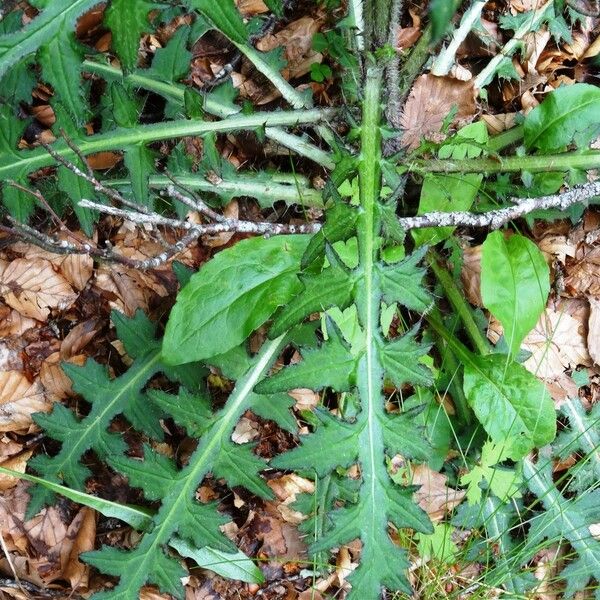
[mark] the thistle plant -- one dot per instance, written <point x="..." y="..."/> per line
<point x="361" y="295"/>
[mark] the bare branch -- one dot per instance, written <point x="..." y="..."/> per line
<point x="496" y="218"/>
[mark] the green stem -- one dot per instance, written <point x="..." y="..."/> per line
<point x="176" y="93"/>
<point x="506" y="138"/>
<point x="512" y="164"/>
<point x="435" y="322"/>
<point x="459" y="304"/>
<point x="18" y="163"/>
<point x="458" y="395"/>
<point x="263" y="190"/>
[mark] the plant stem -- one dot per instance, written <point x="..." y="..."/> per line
<point x="253" y="187"/>
<point x="175" y="93"/>
<point x="512" y="164"/>
<point x="506" y="138"/>
<point x="14" y="165"/>
<point x="443" y="63"/>
<point x="529" y="25"/>
<point x="458" y="302"/>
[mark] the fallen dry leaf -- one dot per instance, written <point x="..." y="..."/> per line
<point x="287" y="488"/>
<point x="19" y="399"/>
<point x="593" y="337"/>
<point x="434" y="496"/>
<point x="12" y="322"/>
<point x="470" y="275"/>
<point x="430" y="101"/>
<point x="15" y="463"/>
<point x="34" y="288"/>
<point x="556" y="343"/>
<point x="80" y="538"/>
<point x="57" y="385"/>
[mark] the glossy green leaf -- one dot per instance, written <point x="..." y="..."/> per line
<point x="570" y="114"/>
<point x="231" y="296"/>
<point x="513" y="406"/>
<point x="515" y="283"/>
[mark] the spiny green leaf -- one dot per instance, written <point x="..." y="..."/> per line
<point x="225" y="17"/>
<point x="154" y="473"/>
<point x="581" y="435"/>
<point x="239" y="290"/>
<point x="56" y="17"/>
<point x="513" y="406"/>
<point x="515" y="283"/>
<point x="331" y="365"/>
<point x="402" y="437"/>
<point x="275" y="407"/>
<point x="568" y="519"/>
<point x="315" y="451"/>
<point x="403" y="283"/>
<point x="238" y="465"/>
<point x="331" y="287"/>
<point x="127" y="20"/>
<point x="180" y="515"/>
<point x="189" y="410"/>
<point x="400" y="359"/>
<point x="172" y="62"/>
<point x="61" y="60"/>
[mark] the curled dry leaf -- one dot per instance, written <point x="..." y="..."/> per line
<point x="593" y="337"/>
<point x="15" y="463"/>
<point x="34" y="288"/>
<point x="13" y="323"/>
<point x="80" y="538"/>
<point x="470" y="275"/>
<point x="287" y="488"/>
<point x="583" y="275"/>
<point x="19" y="399"/>
<point x="79" y="337"/>
<point x="57" y="385"/>
<point x="430" y="101"/>
<point x="434" y="496"/>
<point x="296" y="40"/>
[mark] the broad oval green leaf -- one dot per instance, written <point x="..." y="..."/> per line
<point x="515" y="283"/>
<point x="231" y="296"/>
<point x="513" y="406"/>
<point x="568" y="114"/>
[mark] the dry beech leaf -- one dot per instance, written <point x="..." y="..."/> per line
<point x="12" y="322"/>
<point x="296" y="40"/>
<point x="430" y="101"/>
<point x="583" y="277"/>
<point x="231" y="211"/>
<point x="434" y="496"/>
<point x="245" y="431"/>
<point x="556" y="343"/>
<point x="34" y="288"/>
<point x="593" y="337"/>
<point x="249" y="8"/>
<point x="15" y="463"/>
<point x="19" y="399"/>
<point x="76" y="340"/>
<point x="287" y="488"/>
<point x="470" y="275"/>
<point x="80" y="538"/>
<point x="53" y="378"/>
